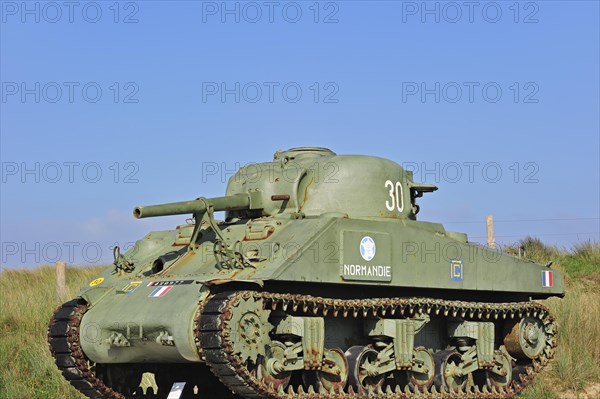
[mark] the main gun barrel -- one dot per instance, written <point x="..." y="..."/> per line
<point x="227" y="203"/>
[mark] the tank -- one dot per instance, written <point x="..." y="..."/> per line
<point x="320" y="282"/>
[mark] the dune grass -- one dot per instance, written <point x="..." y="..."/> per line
<point x="577" y="362"/>
<point x="28" y="298"/>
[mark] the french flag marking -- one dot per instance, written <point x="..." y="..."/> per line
<point x="547" y="279"/>
<point x="161" y="291"/>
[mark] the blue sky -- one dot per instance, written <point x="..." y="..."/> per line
<point x="108" y="105"/>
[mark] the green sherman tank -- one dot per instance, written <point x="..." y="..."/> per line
<point x="320" y="283"/>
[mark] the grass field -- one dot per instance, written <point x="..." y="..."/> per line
<point x="575" y="371"/>
<point x="27" y="300"/>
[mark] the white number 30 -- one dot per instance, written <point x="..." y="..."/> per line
<point x="396" y="200"/>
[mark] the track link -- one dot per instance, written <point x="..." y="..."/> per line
<point x="213" y="337"/>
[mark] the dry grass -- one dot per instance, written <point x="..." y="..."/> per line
<point x="575" y="371"/>
<point x="27" y="300"/>
<point x="577" y="363"/>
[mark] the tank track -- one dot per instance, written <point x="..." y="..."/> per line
<point x="63" y="338"/>
<point x="213" y="338"/>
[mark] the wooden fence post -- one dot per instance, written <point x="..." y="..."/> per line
<point x="61" y="283"/>
<point x="489" y="224"/>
